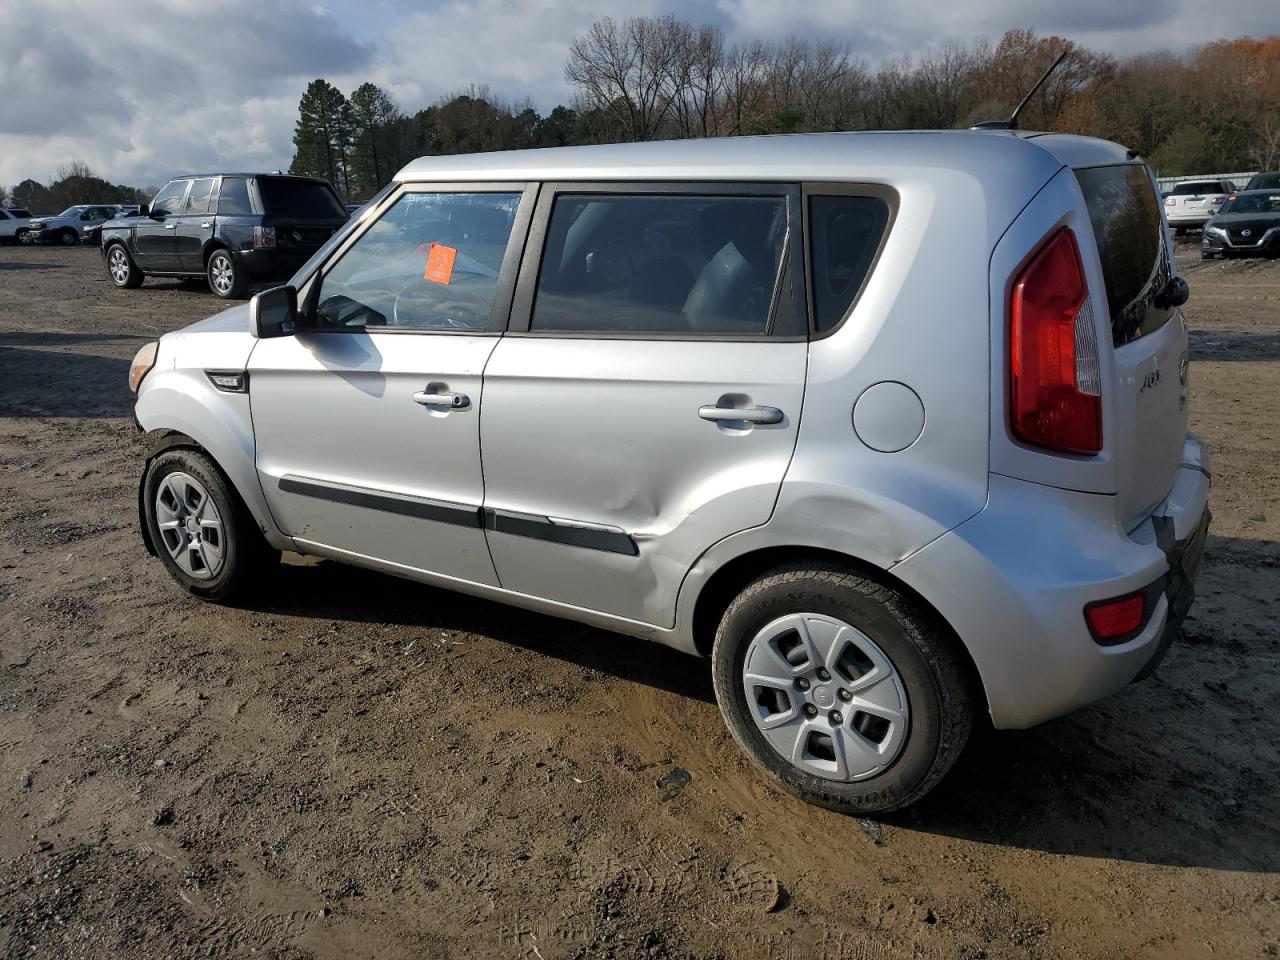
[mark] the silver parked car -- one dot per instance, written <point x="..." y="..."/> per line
<point x="891" y="461"/>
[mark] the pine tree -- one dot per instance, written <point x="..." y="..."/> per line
<point x="322" y="135"/>
<point x="373" y="155"/>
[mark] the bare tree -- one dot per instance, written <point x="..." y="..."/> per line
<point x="625" y="70"/>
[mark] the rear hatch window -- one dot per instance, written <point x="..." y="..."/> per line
<point x="300" y="199"/>
<point x="1129" y="232"/>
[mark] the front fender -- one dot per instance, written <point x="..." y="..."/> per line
<point x="182" y="408"/>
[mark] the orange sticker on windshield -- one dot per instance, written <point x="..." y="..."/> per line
<point x="439" y="263"/>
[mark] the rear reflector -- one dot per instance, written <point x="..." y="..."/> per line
<point x="1055" y="381"/>
<point x="1115" y="621"/>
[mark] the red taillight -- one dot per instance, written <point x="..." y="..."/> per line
<point x="264" y="237"/>
<point x="1055" y="390"/>
<point x="1116" y="620"/>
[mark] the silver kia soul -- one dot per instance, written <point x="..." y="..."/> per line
<point x="891" y="426"/>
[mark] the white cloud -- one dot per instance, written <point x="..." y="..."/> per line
<point x="141" y="90"/>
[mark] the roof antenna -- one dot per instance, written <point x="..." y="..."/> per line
<point x="1012" y="122"/>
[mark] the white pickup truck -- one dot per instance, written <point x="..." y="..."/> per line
<point x="13" y="224"/>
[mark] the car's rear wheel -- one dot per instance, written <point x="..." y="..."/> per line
<point x="121" y="268"/>
<point x="68" y="238"/>
<point x="847" y="693"/>
<point x="201" y="529"/>
<point x="225" y="277"/>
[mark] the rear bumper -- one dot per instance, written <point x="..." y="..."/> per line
<point x="1014" y="580"/>
<point x="267" y="264"/>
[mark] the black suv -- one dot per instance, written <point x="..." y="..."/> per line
<point x="232" y="228"/>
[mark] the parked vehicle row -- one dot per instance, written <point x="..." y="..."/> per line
<point x="890" y="463"/>
<point x="232" y="229"/>
<point x="70" y="226"/>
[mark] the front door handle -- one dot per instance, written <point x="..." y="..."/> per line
<point x="205" y="226"/>
<point x="710" y="411"/>
<point x="171" y="226"/>
<point x="454" y="401"/>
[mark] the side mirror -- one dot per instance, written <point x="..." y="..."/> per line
<point x="273" y="313"/>
<point x="1175" y="294"/>
<point x="144" y="210"/>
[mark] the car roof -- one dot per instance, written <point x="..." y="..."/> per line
<point x="278" y="176"/>
<point x="990" y="155"/>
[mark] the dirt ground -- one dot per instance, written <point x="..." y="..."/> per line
<point x="361" y="766"/>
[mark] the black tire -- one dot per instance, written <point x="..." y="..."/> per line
<point x="237" y="288"/>
<point x="68" y="238"/>
<point x="939" y="694"/>
<point x="247" y="557"/>
<point x="131" y="277"/>
<point x="1207" y="256"/>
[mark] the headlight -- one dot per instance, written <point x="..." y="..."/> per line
<point x="1216" y="231"/>
<point x="143" y="361"/>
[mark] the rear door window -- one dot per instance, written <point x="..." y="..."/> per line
<point x="1125" y="215"/>
<point x="21" y="214"/>
<point x="300" y="199"/>
<point x="844" y="235"/>
<point x="200" y="199"/>
<point x="649" y="263"/>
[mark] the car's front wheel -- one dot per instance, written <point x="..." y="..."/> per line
<point x="840" y="687"/>
<point x="201" y="529"/>
<point x="225" y="276"/>
<point x="68" y="238"/>
<point x="121" y="268"/>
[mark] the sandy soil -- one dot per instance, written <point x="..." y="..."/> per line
<point x="361" y="766"/>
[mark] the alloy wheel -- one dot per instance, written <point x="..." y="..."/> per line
<point x="221" y="273"/>
<point x="118" y="264"/>
<point x="825" y="697"/>
<point x="190" y="526"/>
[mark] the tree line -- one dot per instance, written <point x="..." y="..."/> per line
<point x="1215" y="109"/>
<point x="75" y="183"/>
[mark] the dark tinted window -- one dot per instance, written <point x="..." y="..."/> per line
<point x="169" y="200"/>
<point x="200" y="199"/>
<point x="20" y="214"/>
<point x="844" y="234"/>
<point x="1254" y="203"/>
<point x="1196" y="188"/>
<point x="304" y="199"/>
<point x="1129" y="232"/>
<point x="1265" y="181"/>
<point x="233" y="197"/>
<point x="637" y="263"/>
<point x="432" y="261"/>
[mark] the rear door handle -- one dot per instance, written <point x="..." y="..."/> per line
<point x="454" y="401"/>
<point x="206" y="225"/>
<point x="171" y="226"/>
<point x="710" y="411"/>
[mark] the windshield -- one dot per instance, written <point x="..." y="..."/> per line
<point x="1255" y="203"/>
<point x="301" y="199"/>
<point x="71" y="212"/>
<point x="1265" y="181"/>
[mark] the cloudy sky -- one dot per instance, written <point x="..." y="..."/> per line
<point x="144" y="89"/>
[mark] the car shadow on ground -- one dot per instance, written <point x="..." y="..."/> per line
<point x="327" y="590"/>
<point x="1217" y="346"/>
<point x="42" y="379"/>
<point x="4" y="265"/>
<point x="1138" y="777"/>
